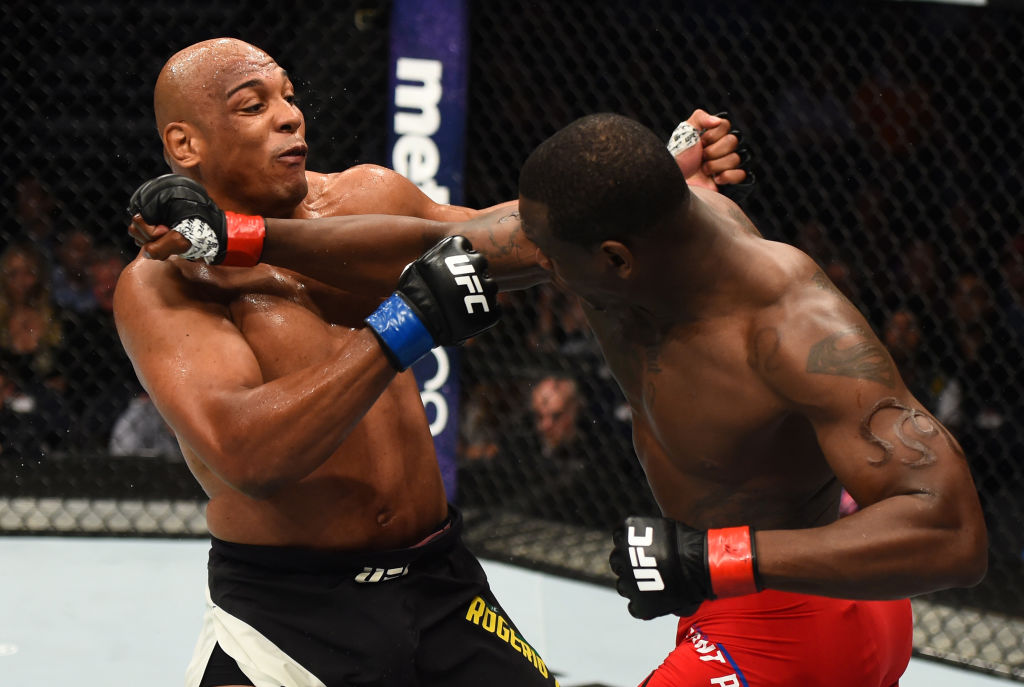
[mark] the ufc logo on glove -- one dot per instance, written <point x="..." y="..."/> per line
<point x="645" y="568"/>
<point x="666" y="567"/>
<point x="429" y="308"/>
<point x="460" y="265"/>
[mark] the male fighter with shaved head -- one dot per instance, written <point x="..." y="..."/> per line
<point x="335" y="558"/>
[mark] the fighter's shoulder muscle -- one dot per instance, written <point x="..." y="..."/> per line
<point x="811" y="330"/>
<point x="146" y="287"/>
<point x="361" y="190"/>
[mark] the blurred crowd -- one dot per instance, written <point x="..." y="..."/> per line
<point x="66" y="385"/>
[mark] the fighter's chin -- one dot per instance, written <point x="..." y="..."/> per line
<point x="295" y="186"/>
<point x="280" y="197"/>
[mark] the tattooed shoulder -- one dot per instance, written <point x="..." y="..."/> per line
<point x="853" y="352"/>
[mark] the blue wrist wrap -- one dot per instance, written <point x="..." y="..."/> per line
<point x="401" y="331"/>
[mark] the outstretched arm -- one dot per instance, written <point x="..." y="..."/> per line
<point x="365" y="254"/>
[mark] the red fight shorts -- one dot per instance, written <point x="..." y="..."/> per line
<point x="779" y="638"/>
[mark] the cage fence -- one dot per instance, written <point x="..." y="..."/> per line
<point x="886" y="145"/>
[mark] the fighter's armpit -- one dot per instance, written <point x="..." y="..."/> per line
<point x="855" y="353"/>
<point x="896" y="428"/>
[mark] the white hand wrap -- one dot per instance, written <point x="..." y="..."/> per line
<point x="203" y="238"/>
<point x="685" y="136"/>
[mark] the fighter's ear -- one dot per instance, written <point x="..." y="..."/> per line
<point x="618" y="259"/>
<point x="182" y="145"/>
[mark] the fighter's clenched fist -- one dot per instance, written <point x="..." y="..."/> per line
<point x="443" y="298"/>
<point x="214" y="236"/>
<point x="665" y="567"/>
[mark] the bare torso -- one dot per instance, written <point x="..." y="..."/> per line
<point x="381" y="488"/>
<point x="718" y="445"/>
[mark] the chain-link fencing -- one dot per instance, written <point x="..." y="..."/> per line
<point x="886" y="146"/>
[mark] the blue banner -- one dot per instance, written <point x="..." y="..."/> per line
<point x="427" y="115"/>
<point x="429" y="79"/>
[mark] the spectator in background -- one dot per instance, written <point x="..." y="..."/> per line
<point x="34" y="209"/>
<point x="918" y="277"/>
<point x="551" y="454"/>
<point x="976" y="403"/>
<point x="480" y="421"/>
<point x="32" y="419"/>
<point x="557" y="460"/>
<point x="72" y="289"/>
<point x="101" y="380"/>
<point x="563" y="340"/>
<point x="141" y="431"/>
<point x="31" y="334"/>
<point x="562" y="328"/>
<point x="983" y="402"/>
<point x="555" y="404"/>
<point x="901" y="335"/>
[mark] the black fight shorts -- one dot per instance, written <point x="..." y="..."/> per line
<point x="423" y="616"/>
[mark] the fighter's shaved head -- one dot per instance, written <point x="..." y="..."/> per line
<point x="198" y="75"/>
<point x="227" y="116"/>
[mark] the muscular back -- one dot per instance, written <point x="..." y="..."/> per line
<point x="244" y="364"/>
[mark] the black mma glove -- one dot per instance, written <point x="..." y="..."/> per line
<point x="739" y="193"/>
<point x="442" y="299"/>
<point x="665" y="567"/>
<point x="217" y="237"/>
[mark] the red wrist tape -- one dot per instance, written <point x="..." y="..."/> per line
<point x="245" y="239"/>
<point x="732" y="562"/>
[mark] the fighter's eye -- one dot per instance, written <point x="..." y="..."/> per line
<point x="254" y="108"/>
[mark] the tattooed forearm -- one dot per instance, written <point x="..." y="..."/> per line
<point x="852" y="352"/>
<point x="504" y="241"/>
<point x="913" y="429"/>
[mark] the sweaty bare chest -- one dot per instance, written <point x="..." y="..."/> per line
<point x="289" y="322"/>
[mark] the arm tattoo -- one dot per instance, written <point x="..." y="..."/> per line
<point x="912" y="428"/>
<point x="864" y="358"/>
<point x="510" y="244"/>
